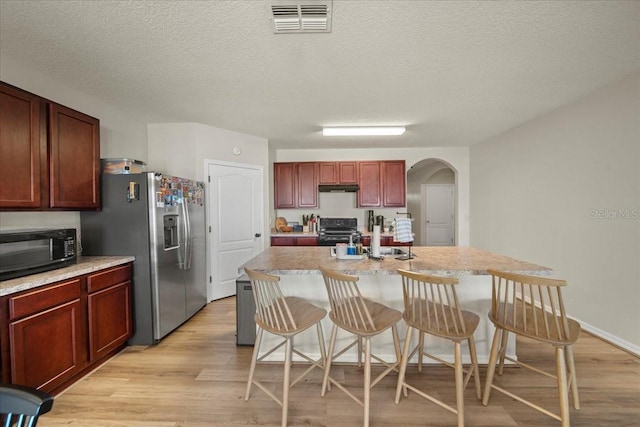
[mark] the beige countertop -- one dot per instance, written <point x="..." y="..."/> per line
<point x="83" y="266"/>
<point x="301" y="234"/>
<point x="450" y="261"/>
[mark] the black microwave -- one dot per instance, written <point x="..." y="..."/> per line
<point x="34" y="251"/>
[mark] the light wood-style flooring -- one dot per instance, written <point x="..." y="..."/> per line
<point x="197" y="376"/>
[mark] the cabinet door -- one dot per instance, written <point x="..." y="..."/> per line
<point x="306" y="241"/>
<point x="393" y="183"/>
<point x="370" y="182"/>
<point x="328" y="173"/>
<point x="338" y="172"/>
<point x="284" y="185"/>
<point x="307" y="184"/>
<point x="47" y="348"/>
<point x="110" y="326"/>
<point x="348" y="172"/>
<point x="74" y="144"/>
<point x="23" y="150"/>
<point x="283" y="241"/>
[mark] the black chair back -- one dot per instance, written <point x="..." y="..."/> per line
<point x="21" y="406"/>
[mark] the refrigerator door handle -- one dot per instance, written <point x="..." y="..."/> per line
<point x="187" y="235"/>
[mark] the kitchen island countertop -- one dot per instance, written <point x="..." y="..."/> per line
<point x="84" y="265"/>
<point x="297" y="268"/>
<point x="449" y="260"/>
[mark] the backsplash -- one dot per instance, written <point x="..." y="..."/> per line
<point x="338" y="205"/>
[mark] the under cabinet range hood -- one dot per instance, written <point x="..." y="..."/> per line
<point x="338" y="188"/>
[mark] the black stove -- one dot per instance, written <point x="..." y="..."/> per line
<point x="338" y="230"/>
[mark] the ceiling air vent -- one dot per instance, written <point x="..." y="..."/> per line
<point x="301" y="16"/>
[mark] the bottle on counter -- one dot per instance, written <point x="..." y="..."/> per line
<point x="351" y="248"/>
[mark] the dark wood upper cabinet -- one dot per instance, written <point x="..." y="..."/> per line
<point x="338" y="172"/>
<point x="74" y="146"/>
<point x="370" y="182"/>
<point x="295" y="185"/>
<point x="284" y="185"/>
<point x="49" y="154"/>
<point x="23" y="149"/>
<point x="307" y="184"/>
<point x="393" y="183"/>
<point x="381" y="183"/>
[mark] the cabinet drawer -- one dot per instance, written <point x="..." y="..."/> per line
<point x="43" y="299"/>
<point x="107" y="278"/>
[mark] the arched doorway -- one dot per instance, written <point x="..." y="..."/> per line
<point x="438" y="175"/>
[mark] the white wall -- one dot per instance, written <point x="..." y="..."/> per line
<point x="121" y="134"/>
<point x="181" y="149"/>
<point x="345" y="204"/>
<point x="563" y="190"/>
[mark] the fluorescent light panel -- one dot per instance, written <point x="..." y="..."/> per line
<point x="363" y="130"/>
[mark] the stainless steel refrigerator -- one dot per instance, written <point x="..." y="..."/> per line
<point x="160" y="220"/>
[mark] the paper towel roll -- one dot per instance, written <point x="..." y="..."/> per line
<point x="375" y="242"/>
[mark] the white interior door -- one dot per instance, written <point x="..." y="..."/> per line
<point x="439" y="208"/>
<point x="236" y="223"/>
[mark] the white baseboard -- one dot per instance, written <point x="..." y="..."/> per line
<point x="617" y="341"/>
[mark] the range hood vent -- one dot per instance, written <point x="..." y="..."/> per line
<point x="338" y="188"/>
<point x="301" y="16"/>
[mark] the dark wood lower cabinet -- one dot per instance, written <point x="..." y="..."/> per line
<point x="45" y="349"/>
<point x="52" y="335"/>
<point x="294" y="241"/>
<point x="109" y="319"/>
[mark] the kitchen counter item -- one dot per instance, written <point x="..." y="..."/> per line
<point x="283" y="225"/>
<point x="338" y="230"/>
<point x="123" y="166"/>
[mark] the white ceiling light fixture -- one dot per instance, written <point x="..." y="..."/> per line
<point x="301" y="16"/>
<point x="363" y="131"/>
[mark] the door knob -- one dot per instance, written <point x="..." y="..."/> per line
<point x="258" y="234"/>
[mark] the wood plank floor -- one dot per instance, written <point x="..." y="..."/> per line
<point x="197" y="376"/>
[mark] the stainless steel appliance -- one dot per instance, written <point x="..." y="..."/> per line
<point x="338" y="230"/>
<point x="160" y="220"/>
<point x="24" y="252"/>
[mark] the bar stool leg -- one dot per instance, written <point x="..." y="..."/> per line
<point x="459" y="384"/>
<point x="474" y="366"/>
<point x="563" y="393"/>
<point x="327" y="365"/>
<point x="491" y="367"/>
<point x="503" y="350"/>
<point x="367" y="379"/>
<point x="403" y="364"/>
<point x="285" y="385"/>
<point x="573" y="382"/>
<point x="254" y="359"/>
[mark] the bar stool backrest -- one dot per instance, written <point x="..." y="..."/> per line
<point x="531" y="306"/>
<point x="348" y="307"/>
<point x="431" y="304"/>
<point x="272" y="310"/>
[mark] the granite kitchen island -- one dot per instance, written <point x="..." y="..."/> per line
<point x="378" y="280"/>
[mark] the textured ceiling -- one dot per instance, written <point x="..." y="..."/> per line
<point x="455" y="73"/>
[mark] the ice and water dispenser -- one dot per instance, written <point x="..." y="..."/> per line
<point x="170" y="231"/>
